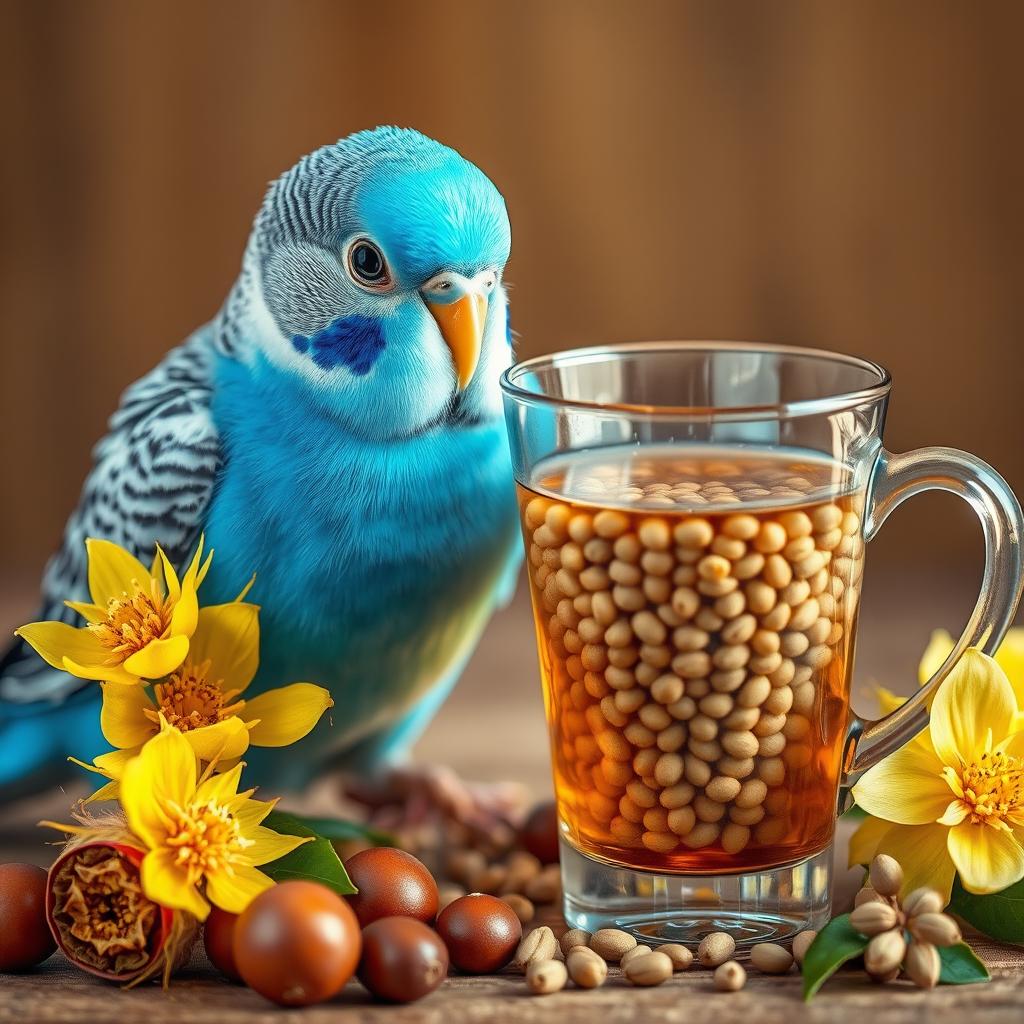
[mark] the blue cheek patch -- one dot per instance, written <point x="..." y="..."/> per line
<point x="355" y="342"/>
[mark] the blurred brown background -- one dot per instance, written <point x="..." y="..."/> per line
<point x="846" y="175"/>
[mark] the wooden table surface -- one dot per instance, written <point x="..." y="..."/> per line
<point x="501" y="685"/>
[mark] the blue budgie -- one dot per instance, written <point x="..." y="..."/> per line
<point x="337" y="428"/>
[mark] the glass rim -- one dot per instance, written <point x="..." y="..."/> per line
<point x="824" y="404"/>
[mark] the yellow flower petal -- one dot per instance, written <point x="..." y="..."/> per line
<point x="286" y="714"/>
<point x="114" y="763"/>
<point x="166" y="883"/>
<point x="987" y="859"/>
<point x="112" y="570"/>
<point x="163" y="773"/>
<point x="937" y="651"/>
<point x="89" y="612"/>
<point x="158" y="658"/>
<point x="228" y="635"/>
<point x="102" y="673"/>
<point x="220" y="788"/>
<point x="55" y="641"/>
<point x="921" y="850"/>
<point x="269" y="845"/>
<point x="907" y="787"/>
<point x="108" y="791"/>
<point x="251" y="812"/>
<point x="864" y="842"/>
<point x="975" y="698"/>
<point x="888" y="701"/>
<point x="171" y="584"/>
<point x="236" y="891"/>
<point x="1011" y="660"/>
<point x="226" y="739"/>
<point x="122" y="718"/>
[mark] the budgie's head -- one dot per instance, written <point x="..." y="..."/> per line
<point x="374" y="273"/>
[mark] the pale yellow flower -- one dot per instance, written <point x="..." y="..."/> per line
<point x="204" y="839"/>
<point x="959" y="784"/>
<point x="138" y="623"/>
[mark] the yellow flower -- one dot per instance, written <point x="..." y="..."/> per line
<point x="203" y="699"/>
<point x="959" y="784"/>
<point x="138" y="624"/>
<point x="199" y="832"/>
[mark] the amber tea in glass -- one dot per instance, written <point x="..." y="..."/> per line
<point x="695" y="571"/>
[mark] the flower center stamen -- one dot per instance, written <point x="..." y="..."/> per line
<point x="993" y="789"/>
<point x="190" y="700"/>
<point x="133" y="620"/>
<point x="207" y="838"/>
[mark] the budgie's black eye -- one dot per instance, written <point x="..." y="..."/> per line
<point x="367" y="266"/>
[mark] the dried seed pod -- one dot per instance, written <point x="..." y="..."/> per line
<point x="546" y="976"/>
<point x="572" y="939"/>
<point x="771" y="958"/>
<point x="651" y="969"/>
<point x="536" y="945"/>
<point x="611" y="943"/>
<point x="102" y="920"/>
<point x="873" y="917"/>
<point x="715" y="949"/>
<point x="680" y="956"/>
<point x="886" y="875"/>
<point x="586" y="968"/>
<point x="922" y="964"/>
<point x="802" y="943"/>
<point x="937" y="929"/>
<point x="884" y="953"/>
<point x="730" y="977"/>
<point x="923" y="901"/>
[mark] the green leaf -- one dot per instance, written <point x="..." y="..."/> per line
<point x="999" y="915"/>
<point x="339" y="830"/>
<point x="317" y="861"/>
<point x="961" y="966"/>
<point x="837" y="943"/>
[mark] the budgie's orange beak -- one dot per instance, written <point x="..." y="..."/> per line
<point x="462" y="327"/>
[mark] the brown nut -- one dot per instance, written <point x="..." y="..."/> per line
<point x="922" y="964"/>
<point x="522" y="907"/>
<point x="680" y="956"/>
<point x="572" y="938"/>
<point x="771" y="958"/>
<point x="938" y="929"/>
<point x="873" y="918"/>
<point x="489" y="880"/>
<point x="611" y="943"/>
<point x="884" y="953"/>
<point x="651" y="969"/>
<point x="520" y="868"/>
<point x="585" y="967"/>
<point x="715" y="949"/>
<point x="536" y="945"/>
<point x="885" y="875"/>
<point x="923" y="901"/>
<point x="802" y="943"/>
<point x="545" y="887"/>
<point x="632" y="954"/>
<point x="546" y="976"/>
<point x="729" y="977"/>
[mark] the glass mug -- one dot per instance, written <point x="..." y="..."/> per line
<point x="695" y="516"/>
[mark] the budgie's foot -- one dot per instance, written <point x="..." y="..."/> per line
<point x="431" y="805"/>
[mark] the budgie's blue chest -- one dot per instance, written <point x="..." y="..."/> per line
<point x="379" y="563"/>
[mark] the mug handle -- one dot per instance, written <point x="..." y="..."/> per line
<point x="896" y="478"/>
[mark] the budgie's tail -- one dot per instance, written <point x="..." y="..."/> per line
<point x="37" y="735"/>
